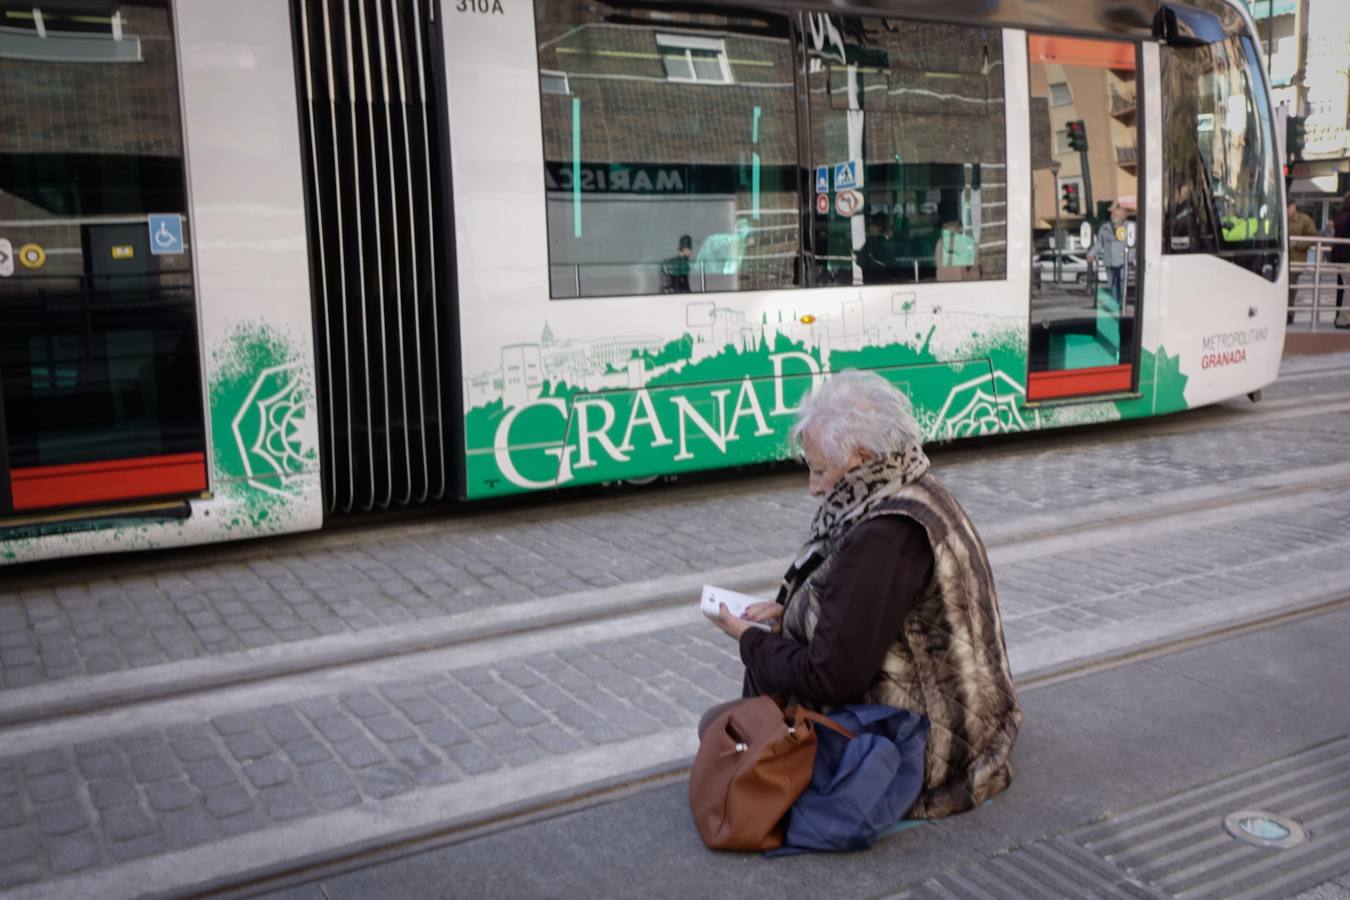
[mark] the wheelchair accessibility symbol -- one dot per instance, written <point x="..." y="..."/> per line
<point x="166" y="235"/>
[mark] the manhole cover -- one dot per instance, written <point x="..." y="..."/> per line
<point x="1264" y="829"/>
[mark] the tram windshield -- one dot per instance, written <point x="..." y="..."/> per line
<point x="1221" y="175"/>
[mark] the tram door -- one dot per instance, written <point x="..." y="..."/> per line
<point x="1086" y="188"/>
<point x="100" y="382"/>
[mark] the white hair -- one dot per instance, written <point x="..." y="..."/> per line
<point x="856" y="410"/>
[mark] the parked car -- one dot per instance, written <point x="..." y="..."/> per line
<point x="1073" y="268"/>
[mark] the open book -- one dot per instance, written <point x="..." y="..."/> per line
<point x="714" y="597"/>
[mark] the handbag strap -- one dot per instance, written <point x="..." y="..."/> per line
<point x="829" y="723"/>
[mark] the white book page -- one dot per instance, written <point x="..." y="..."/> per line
<point x="737" y="603"/>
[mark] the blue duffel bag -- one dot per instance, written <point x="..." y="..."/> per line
<point x="860" y="787"/>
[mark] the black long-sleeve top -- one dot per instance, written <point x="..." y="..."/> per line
<point x="877" y="576"/>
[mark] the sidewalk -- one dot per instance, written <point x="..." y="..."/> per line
<point x="1123" y="779"/>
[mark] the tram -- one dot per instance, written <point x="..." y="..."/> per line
<point x="265" y="263"/>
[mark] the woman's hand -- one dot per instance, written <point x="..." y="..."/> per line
<point x="758" y="612"/>
<point x="767" y="611"/>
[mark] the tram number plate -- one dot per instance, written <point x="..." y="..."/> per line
<point x="493" y="7"/>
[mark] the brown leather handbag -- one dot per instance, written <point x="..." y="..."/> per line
<point x="753" y="762"/>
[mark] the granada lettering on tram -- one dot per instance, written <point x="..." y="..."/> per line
<point x="1227" y="358"/>
<point x="611" y="428"/>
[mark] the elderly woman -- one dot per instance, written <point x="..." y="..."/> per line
<point x="891" y="600"/>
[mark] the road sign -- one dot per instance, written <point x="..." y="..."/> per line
<point x="1085" y="234"/>
<point x="1131" y="234"/>
<point x="846" y="203"/>
<point x="822" y="179"/>
<point x="848" y="175"/>
<point x="32" y="256"/>
<point x="6" y="258"/>
<point x="823" y="203"/>
<point x="166" y="234"/>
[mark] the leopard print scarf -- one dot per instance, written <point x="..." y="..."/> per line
<point x="848" y="502"/>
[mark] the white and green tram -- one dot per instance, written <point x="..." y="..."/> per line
<point x="263" y="263"/>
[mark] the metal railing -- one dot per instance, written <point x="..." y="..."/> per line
<point x="1315" y="282"/>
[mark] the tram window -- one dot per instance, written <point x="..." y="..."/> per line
<point x="671" y="166"/>
<point x="1220" y="177"/>
<point x="928" y="150"/>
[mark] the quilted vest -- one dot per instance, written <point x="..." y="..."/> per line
<point x="949" y="663"/>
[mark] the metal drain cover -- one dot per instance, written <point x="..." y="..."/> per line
<point x="1264" y="829"/>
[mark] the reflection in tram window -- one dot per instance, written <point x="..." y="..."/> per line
<point x="1220" y="181"/>
<point x="916" y="111"/>
<point x="674" y="126"/>
<point x="99" y="368"/>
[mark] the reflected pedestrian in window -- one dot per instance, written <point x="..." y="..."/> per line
<point x="721" y="253"/>
<point x="1111" y="251"/>
<point x="891" y="600"/>
<point x="675" y="270"/>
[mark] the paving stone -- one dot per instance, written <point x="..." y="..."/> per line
<point x="101" y="765"/>
<point x="71" y="852"/>
<point x="136" y="848"/>
<point x="62" y="817"/>
<point x="389" y="728"/>
<point x="242" y="823"/>
<point x="413" y="753"/>
<point x="364" y="705"/>
<point x="472" y="759"/>
<point x="107" y="793"/>
<point x="284" y="802"/>
<point x="16" y="844"/>
<point x="383" y="781"/>
<point x="11" y="811"/>
<point x="358" y="751"/>
<point x="227" y="801"/>
<point x="337" y="728"/>
<point x="445" y="733"/>
<point x="158" y="765"/>
<point x="16" y="873"/>
<point x="210" y="773"/>
<point x="233" y="724"/>
<point x="267" y="772"/>
<point x="167" y="796"/>
<point x="325" y="778"/>
<point x="419" y="710"/>
<point x="44" y="762"/>
<point x="188" y="827"/>
<point x="306" y="752"/>
<point x="247" y="746"/>
<point x="194" y="749"/>
<point x="284" y="725"/>
<point x="124" y="822"/>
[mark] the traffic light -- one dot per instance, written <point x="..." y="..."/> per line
<point x="1077" y="135"/>
<point x="1072" y="205"/>
<point x="1295" y="136"/>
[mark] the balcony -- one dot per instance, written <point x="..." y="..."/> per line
<point x="1127" y="158"/>
<point x="1123" y="106"/>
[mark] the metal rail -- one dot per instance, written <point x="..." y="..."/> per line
<point x="1325" y="288"/>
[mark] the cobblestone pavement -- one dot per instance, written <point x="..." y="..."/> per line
<point x="83" y="805"/>
<point x="211" y="601"/>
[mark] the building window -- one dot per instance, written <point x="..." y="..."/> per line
<point x="1060" y="95"/>
<point x="689" y="58"/>
<point x="554" y="83"/>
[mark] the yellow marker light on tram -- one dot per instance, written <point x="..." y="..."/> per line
<point x="807" y="319"/>
<point x="124" y="251"/>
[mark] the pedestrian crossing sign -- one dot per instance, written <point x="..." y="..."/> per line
<point x="822" y="179"/>
<point x="847" y="176"/>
